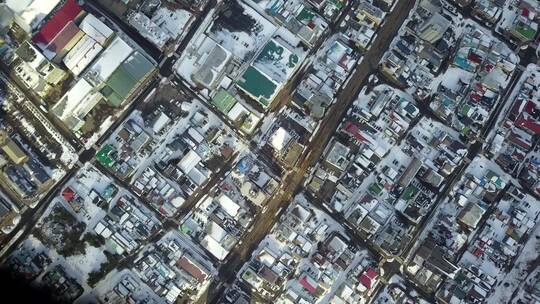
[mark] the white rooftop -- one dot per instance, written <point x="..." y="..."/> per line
<point x="82" y="55"/>
<point x="228" y="205"/>
<point x="110" y="59"/>
<point x="189" y="161"/>
<point x="96" y="29"/>
<point x="32" y="12"/>
<point x="280" y="139"/>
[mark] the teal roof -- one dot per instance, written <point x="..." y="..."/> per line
<point x="138" y="66"/>
<point x="258" y="85"/>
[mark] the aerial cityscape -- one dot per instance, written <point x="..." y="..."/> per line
<point x="270" y="151"/>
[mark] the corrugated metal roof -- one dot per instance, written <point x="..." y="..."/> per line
<point x="64" y="37"/>
<point x="96" y="29"/>
<point x="68" y="12"/>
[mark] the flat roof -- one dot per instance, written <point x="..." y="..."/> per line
<point x="258" y="85"/>
<point x="111" y="58"/>
<point x="224" y="101"/>
<point x="126" y="78"/>
<point x="137" y="65"/>
<point x="121" y="82"/>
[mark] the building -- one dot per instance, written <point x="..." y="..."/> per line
<point x="211" y="63"/>
<point x="28" y="14"/>
<point x="96" y="29"/>
<point x="369" y="13"/>
<point x="36" y="71"/>
<point x="60" y="33"/>
<point x="6" y="18"/>
<point x="82" y="54"/>
<point x="73" y="107"/>
<point x="524" y="29"/>
<point x="434" y="29"/>
<point x="110" y="59"/>
<point x="126" y="78"/>
<point x="11" y="149"/>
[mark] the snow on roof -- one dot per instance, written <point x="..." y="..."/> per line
<point x="215" y="231"/>
<point x="148" y="29"/>
<point x="189" y="161"/>
<point x="111" y="58"/>
<point x="82" y="54"/>
<point x="96" y="29"/>
<point x="280" y="139"/>
<point x="172" y="21"/>
<point x="236" y="111"/>
<point x="196" y="135"/>
<point x="71" y="100"/>
<point x="32" y="12"/>
<point x="99" y="228"/>
<point x="214" y="247"/>
<point x="197" y="176"/>
<point x="228" y="205"/>
<point x="178" y="201"/>
<point x="161" y="122"/>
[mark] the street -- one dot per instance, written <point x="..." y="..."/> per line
<point x="292" y="184"/>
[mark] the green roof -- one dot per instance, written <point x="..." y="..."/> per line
<point x="126" y="78"/>
<point x="336" y="3"/>
<point x="103" y="156"/>
<point x="185" y="229"/>
<point x="305" y="15"/>
<point x="409" y="192"/>
<point x="273" y="52"/>
<point x="525" y="31"/>
<point x="258" y="85"/>
<point x="112" y="97"/>
<point x="375" y="188"/>
<point x="224" y="101"/>
<point x="121" y="82"/>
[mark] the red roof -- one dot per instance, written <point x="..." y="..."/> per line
<point x="516" y="139"/>
<point x="68" y="12"/>
<point x="516" y="108"/>
<point x="528" y="124"/>
<point x="191" y="268"/>
<point x="63" y="38"/>
<point x="304" y="282"/>
<point x="353" y="130"/>
<point x="475" y="58"/>
<point x="480" y="87"/>
<point x="371" y="273"/>
<point x="478" y="252"/>
<point x="530" y="107"/>
<point x="365" y="280"/>
<point x="525" y="12"/>
<point x="474" y="96"/>
<point x="68" y="194"/>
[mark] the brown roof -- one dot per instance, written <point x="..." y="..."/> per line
<point x="62" y="39"/>
<point x="269" y="275"/>
<point x="191" y="268"/>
